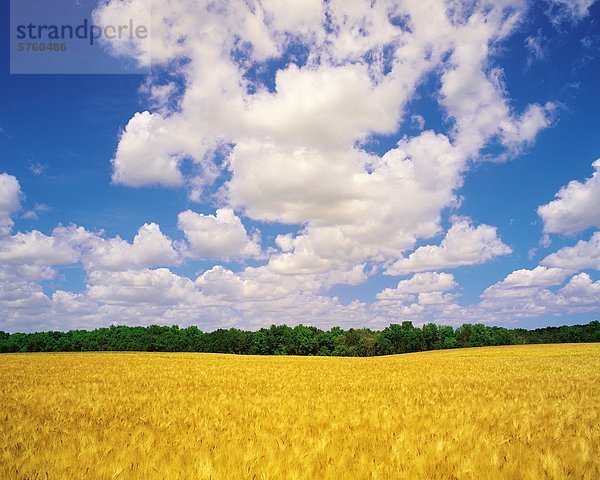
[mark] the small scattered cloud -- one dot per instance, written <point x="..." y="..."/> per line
<point x="544" y="242"/>
<point x="38" y="168"/>
<point x="536" y="48"/>
<point x="33" y="214"/>
<point x="567" y="11"/>
<point x="417" y="122"/>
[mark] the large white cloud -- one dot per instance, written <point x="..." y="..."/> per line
<point x="10" y="201"/>
<point x="462" y="245"/>
<point x="217" y="236"/>
<point x="575" y="207"/>
<point x="297" y="151"/>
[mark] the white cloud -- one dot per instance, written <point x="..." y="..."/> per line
<point x="259" y="297"/>
<point x="575" y="207"/>
<point x="573" y="11"/>
<point x="250" y="285"/>
<point x="22" y="296"/>
<point x="38" y="168"/>
<point x="37" y="249"/>
<point x="580" y="290"/>
<point x="462" y="245"/>
<point x="474" y="95"/>
<point x="27" y="272"/>
<point x="579" y="257"/>
<point x="521" y="293"/>
<point x="420" y="298"/>
<point x="434" y="298"/>
<point x="530" y="297"/>
<point x="355" y="215"/>
<point x="140" y="287"/>
<point x="33" y="214"/>
<point x="217" y="236"/>
<point x="127" y="45"/>
<point x="418" y="122"/>
<point x="535" y="47"/>
<point x="296" y="149"/>
<point x="419" y="283"/>
<point x="150" y="247"/>
<point x="538" y="277"/>
<point x="143" y="156"/>
<point x="10" y="201"/>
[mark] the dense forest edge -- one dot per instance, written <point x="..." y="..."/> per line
<point x="299" y="340"/>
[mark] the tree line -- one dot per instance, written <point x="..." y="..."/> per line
<point x="299" y="340"/>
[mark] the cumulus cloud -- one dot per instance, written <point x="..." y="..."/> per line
<point x="144" y="157"/>
<point x="37" y="249"/>
<point x="580" y="290"/>
<point x="10" y="201"/>
<point x="150" y="247"/>
<point x="295" y="141"/>
<point x="420" y="298"/>
<point x="250" y="285"/>
<point x="221" y="235"/>
<point x="140" y="12"/>
<point x="525" y="293"/>
<point x="141" y="287"/>
<point x="462" y="245"/>
<point x="575" y="207"/>
<point x="583" y="255"/>
<point x="290" y="145"/>
<point x="524" y="278"/>
<point x="419" y="283"/>
<point x="23" y="297"/>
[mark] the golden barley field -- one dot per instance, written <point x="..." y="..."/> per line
<point x="527" y="412"/>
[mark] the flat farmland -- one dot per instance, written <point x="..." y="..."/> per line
<point x="519" y="412"/>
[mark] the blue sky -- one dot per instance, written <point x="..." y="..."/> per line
<point x="317" y="164"/>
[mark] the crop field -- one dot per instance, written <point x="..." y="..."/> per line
<point x="526" y="412"/>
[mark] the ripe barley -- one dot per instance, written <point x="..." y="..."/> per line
<point x="505" y="412"/>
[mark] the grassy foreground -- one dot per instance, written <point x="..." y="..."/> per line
<point x="523" y="412"/>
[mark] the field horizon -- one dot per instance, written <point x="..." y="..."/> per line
<point x="226" y="355"/>
<point x="298" y="340"/>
